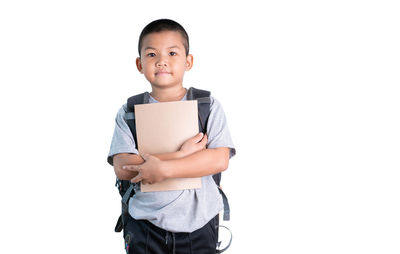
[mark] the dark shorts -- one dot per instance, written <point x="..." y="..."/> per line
<point x="143" y="237"/>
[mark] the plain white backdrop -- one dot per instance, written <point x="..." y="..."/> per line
<point x="310" y="90"/>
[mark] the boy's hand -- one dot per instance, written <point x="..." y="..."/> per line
<point x="151" y="171"/>
<point x="195" y="144"/>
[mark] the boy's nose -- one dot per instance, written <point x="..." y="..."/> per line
<point x="161" y="62"/>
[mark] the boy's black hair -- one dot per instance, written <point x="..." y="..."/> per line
<point x="161" y="25"/>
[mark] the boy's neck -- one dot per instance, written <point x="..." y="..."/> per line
<point x="166" y="94"/>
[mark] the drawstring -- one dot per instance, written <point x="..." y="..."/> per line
<point x="190" y="240"/>
<point x="173" y="241"/>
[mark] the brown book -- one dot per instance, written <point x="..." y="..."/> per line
<point x="163" y="127"/>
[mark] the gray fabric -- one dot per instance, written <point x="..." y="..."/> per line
<point x="176" y="211"/>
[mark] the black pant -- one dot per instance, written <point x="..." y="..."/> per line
<point x="143" y="237"/>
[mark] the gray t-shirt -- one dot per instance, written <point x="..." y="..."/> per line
<point x="183" y="210"/>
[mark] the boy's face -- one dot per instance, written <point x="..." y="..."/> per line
<point x="163" y="59"/>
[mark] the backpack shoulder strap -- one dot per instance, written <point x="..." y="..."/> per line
<point x="142" y="98"/>
<point x="203" y="104"/>
<point x="204" y="107"/>
<point x="126" y="189"/>
<point x="194" y="93"/>
<point x="137" y="99"/>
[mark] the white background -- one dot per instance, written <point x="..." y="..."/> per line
<point x="310" y="90"/>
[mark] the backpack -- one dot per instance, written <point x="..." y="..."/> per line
<point x="126" y="188"/>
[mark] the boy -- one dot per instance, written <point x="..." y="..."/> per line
<point x="177" y="221"/>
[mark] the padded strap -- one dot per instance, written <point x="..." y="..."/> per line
<point x="203" y="104"/>
<point x="204" y="101"/>
<point x="137" y="99"/>
<point x="142" y="98"/>
<point x="130" y="116"/>
<point x="194" y="93"/>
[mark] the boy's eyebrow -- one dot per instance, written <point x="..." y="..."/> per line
<point x="148" y="47"/>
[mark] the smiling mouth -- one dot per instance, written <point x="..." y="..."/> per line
<point x="163" y="73"/>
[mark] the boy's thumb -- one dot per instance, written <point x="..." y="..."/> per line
<point x="145" y="156"/>
<point x="199" y="136"/>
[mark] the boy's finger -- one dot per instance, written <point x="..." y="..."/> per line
<point x="131" y="168"/>
<point x="146" y="182"/>
<point x="145" y="156"/>
<point x="137" y="178"/>
<point x="198" y="137"/>
<point x="204" y="140"/>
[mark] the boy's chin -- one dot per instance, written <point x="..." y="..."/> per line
<point x="165" y="85"/>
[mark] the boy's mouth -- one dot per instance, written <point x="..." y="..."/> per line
<point x="162" y="73"/>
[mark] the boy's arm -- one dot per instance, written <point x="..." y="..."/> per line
<point x="201" y="163"/>
<point x="192" y="145"/>
<point x="122" y="159"/>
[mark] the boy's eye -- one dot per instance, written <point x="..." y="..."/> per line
<point x="172" y="53"/>
<point x="151" y="54"/>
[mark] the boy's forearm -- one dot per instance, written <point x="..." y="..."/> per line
<point x="170" y="156"/>
<point x="201" y="163"/>
<point x="123" y="159"/>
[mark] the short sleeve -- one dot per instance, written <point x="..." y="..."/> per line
<point x="122" y="140"/>
<point x="217" y="128"/>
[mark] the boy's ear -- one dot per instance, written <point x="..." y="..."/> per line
<point x="139" y="65"/>
<point x="189" y="62"/>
